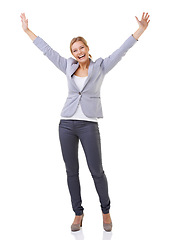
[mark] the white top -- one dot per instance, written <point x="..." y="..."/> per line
<point x="79" y="115"/>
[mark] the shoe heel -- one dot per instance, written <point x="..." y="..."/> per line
<point x="81" y="220"/>
<point x="76" y="227"/>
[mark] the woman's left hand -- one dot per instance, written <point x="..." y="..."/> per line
<point x="143" y="24"/>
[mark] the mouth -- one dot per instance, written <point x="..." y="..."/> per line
<point x="81" y="56"/>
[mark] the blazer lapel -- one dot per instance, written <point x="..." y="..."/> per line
<point x="90" y="69"/>
<point x="73" y="69"/>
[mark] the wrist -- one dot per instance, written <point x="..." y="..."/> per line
<point x="141" y="29"/>
<point x="26" y="30"/>
<point x="138" y="33"/>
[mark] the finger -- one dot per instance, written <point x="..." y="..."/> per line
<point x="146" y="15"/>
<point x="22" y="16"/>
<point x="137" y="20"/>
<point x="143" y="14"/>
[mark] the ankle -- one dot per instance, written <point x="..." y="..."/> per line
<point x="106" y="218"/>
<point x="78" y="219"/>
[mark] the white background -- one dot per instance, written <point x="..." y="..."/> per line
<point x="141" y="132"/>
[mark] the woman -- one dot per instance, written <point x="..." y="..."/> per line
<point x="81" y="111"/>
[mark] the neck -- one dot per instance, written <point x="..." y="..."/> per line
<point x="85" y="65"/>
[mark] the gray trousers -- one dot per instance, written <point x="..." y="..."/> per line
<point x="87" y="132"/>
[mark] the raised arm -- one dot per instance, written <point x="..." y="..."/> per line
<point x="59" y="61"/>
<point x="109" y="62"/>
<point x="24" y="21"/>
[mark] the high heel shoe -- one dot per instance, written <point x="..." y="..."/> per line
<point x="76" y="227"/>
<point x="107" y="226"/>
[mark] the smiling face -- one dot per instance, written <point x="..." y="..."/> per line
<point x="80" y="51"/>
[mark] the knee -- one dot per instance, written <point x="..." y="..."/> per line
<point x="72" y="173"/>
<point x="97" y="175"/>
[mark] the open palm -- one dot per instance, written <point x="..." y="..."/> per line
<point x="144" y="21"/>
<point x="24" y="21"/>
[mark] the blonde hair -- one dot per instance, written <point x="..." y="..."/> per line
<point x="77" y="39"/>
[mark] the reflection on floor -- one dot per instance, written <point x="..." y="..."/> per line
<point x="80" y="235"/>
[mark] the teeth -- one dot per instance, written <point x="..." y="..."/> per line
<point x="81" y="56"/>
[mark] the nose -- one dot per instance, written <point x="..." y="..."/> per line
<point x="79" y="51"/>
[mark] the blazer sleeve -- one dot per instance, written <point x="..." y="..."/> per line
<point x="59" y="61"/>
<point x="109" y="62"/>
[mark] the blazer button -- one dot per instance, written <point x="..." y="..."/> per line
<point x="79" y="93"/>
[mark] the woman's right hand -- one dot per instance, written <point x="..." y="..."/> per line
<point x="25" y="27"/>
<point x="24" y="22"/>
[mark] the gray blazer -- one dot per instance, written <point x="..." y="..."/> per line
<point x="89" y="97"/>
